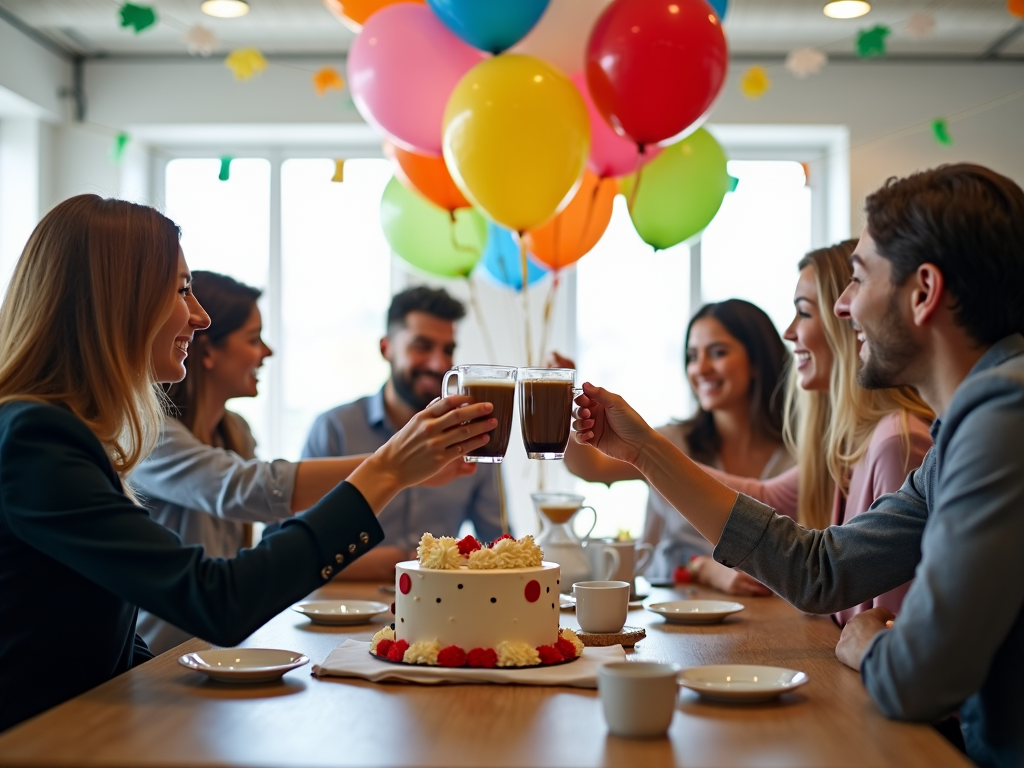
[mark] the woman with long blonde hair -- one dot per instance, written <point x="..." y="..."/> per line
<point x="871" y="438"/>
<point x="98" y="313"/>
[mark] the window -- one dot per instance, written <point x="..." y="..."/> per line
<point x="335" y="290"/>
<point x="751" y="249"/>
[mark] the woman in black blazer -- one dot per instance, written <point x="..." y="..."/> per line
<point x="98" y="313"/>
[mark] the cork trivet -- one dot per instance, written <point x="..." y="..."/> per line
<point x="627" y="637"/>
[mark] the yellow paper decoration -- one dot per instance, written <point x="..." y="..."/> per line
<point x="339" y="171"/>
<point x="245" y="62"/>
<point x="1015" y="7"/>
<point x="326" y="79"/>
<point x="755" y="82"/>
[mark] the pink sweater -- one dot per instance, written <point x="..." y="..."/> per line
<point x="882" y="470"/>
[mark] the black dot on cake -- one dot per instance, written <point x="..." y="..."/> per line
<point x="547" y="589"/>
<point x="494" y="599"/>
<point x="460" y="586"/>
<point x="393" y="625"/>
<point x="439" y="599"/>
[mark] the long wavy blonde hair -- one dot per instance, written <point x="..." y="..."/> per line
<point x="90" y="292"/>
<point x="842" y="419"/>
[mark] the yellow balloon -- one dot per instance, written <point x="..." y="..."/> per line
<point x="516" y="138"/>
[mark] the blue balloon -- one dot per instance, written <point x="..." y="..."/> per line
<point x="720" y="6"/>
<point x="490" y="25"/>
<point x="502" y="261"/>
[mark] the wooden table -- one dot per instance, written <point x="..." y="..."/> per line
<point x="163" y="714"/>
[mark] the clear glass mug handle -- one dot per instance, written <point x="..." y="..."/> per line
<point x="444" y="382"/>
<point x="593" y="525"/>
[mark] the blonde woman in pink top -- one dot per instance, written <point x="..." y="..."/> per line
<point x="871" y="438"/>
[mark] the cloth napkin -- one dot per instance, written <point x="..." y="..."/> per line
<point x="352" y="659"/>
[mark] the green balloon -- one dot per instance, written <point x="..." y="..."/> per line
<point x="427" y="237"/>
<point x="679" y="192"/>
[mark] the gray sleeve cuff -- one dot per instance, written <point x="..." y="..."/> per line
<point x="279" y="484"/>
<point x="743" y="530"/>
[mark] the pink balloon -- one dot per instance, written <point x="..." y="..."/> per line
<point x="402" y="68"/>
<point x="610" y="153"/>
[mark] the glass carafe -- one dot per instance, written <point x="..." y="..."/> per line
<point x="557" y="538"/>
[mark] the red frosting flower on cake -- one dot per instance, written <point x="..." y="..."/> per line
<point x="550" y="654"/>
<point x="397" y="650"/>
<point x="452" y="656"/>
<point x="383" y="646"/>
<point x="503" y="536"/>
<point x="567" y="649"/>
<point x="469" y="544"/>
<point x="482" y="657"/>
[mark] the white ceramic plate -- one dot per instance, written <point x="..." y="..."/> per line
<point x="340" y="611"/>
<point x="243" y="665"/>
<point x="694" y="611"/>
<point x="741" y="682"/>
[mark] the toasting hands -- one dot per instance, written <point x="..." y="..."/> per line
<point x="607" y="422"/>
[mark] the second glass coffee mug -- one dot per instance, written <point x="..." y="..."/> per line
<point x="545" y="410"/>
<point x="494" y="384"/>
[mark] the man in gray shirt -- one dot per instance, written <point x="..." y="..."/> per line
<point x="938" y="300"/>
<point x="419" y="345"/>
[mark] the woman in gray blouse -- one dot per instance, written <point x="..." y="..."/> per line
<point x="203" y="480"/>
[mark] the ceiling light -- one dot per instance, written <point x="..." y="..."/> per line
<point x="847" y="9"/>
<point x="225" y="9"/>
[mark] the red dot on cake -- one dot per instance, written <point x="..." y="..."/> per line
<point x="532" y="591"/>
<point x="405" y="583"/>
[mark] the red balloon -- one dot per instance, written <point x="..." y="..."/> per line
<point x="654" y="67"/>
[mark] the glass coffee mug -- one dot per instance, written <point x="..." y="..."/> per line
<point x="545" y="410"/>
<point x="494" y="384"/>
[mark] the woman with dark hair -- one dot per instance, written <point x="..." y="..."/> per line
<point x="99" y="311"/>
<point x="735" y="364"/>
<point x="203" y="480"/>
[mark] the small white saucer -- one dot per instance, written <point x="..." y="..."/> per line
<point x="694" y="611"/>
<point x="340" y="611"/>
<point x="568" y="602"/>
<point x="243" y="665"/>
<point x="741" y="682"/>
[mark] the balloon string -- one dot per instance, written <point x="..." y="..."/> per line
<point x="549" y="305"/>
<point x="526" y="302"/>
<point x="639" y="173"/>
<point x="455" y="243"/>
<point x="474" y="302"/>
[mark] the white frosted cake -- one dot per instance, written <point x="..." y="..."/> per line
<point x="463" y="604"/>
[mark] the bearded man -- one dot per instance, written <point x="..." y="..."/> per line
<point x="419" y="346"/>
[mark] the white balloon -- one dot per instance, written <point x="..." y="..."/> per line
<point x="561" y="35"/>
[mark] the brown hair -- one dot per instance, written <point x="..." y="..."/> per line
<point x="229" y="304"/>
<point x="90" y="292"/>
<point x="833" y="429"/>
<point x="769" y="359"/>
<point x="968" y="221"/>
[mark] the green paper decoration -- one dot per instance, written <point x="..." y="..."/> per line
<point x="733" y="183"/>
<point x="428" y="237"/>
<point x="138" y="17"/>
<point x="678" y="193"/>
<point x="940" y="130"/>
<point x="871" y="42"/>
<point x="117" y="150"/>
<point x="225" y="169"/>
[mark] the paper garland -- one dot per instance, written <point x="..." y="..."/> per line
<point x="118" y="147"/>
<point x="871" y="42"/>
<point x="326" y="79"/>
<point x="1016" y="8"/>
<point x="245" y="63"/>
<point x="200" y="41"/>
<point x="139" y="17"/>
<point x="755" y="82"/>
<point x="940" y="130"/>
<point x="805" y="61"/>
<point x="339" y="171"/>
<point x="225" y="169"/>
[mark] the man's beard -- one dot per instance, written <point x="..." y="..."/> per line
<point x="405" y="387"/>
<point x="890" y="352"/>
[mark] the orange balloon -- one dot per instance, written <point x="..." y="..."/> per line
<point x="354" y="13"/>
<point x="569" y="236"/>
<point x="427" y="175"/>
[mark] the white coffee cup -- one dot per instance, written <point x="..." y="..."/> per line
<point x="604" y="561"/>
<point x="633" y="559"/>
<point x="601" y="606"/>
<point x="638" y="697"/>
